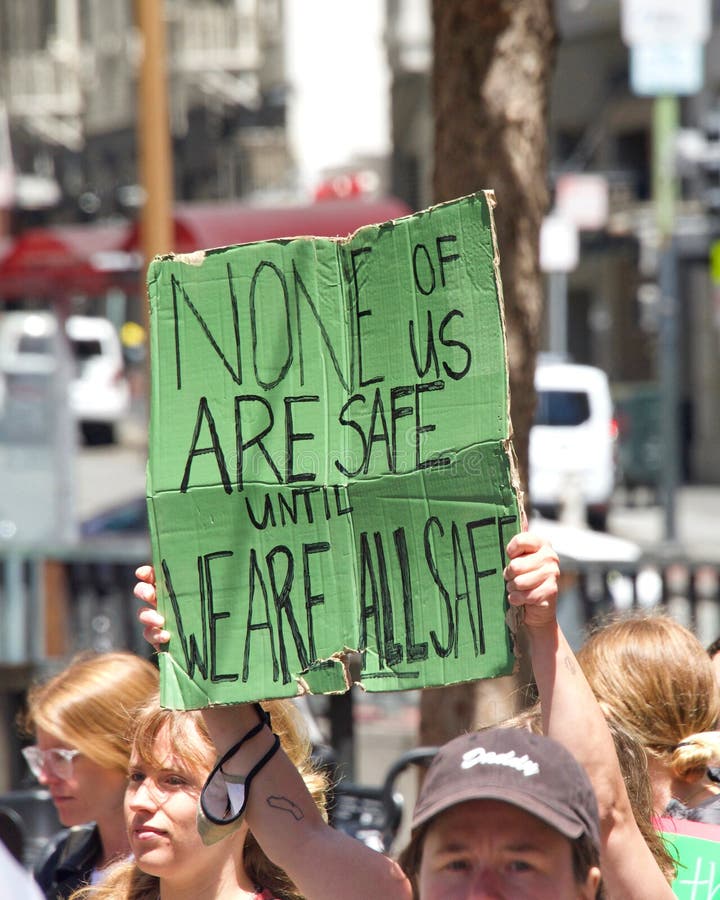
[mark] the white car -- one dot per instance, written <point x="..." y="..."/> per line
<point x="99" y="391"/>
<point x="572" y="442"/>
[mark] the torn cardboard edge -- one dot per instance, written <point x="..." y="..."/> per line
<point x="342" y="664"/>
<point x="330" y="673"/>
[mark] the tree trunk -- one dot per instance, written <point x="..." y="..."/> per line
<point x="493" y="62"/>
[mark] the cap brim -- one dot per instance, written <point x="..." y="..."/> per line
<point x="570" y="827"/>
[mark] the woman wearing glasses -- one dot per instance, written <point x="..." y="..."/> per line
<point x="82" y="719"/>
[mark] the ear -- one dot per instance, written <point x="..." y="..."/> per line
<point x="590" y="888"/>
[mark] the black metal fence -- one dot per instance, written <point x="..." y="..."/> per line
<point x="687" y="589"/>
<point x="89" y="601"/>
<point x="54" y="604"/>
<point x="58" y="602"/>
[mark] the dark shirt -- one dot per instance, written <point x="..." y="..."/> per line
<point x="707" y="812"/>
<point x="68" y="862"/>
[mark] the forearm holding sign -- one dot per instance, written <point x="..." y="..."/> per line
<point x="571" y="715"/>
<point x="324" y="863"/>
<point x="282" y="815"/>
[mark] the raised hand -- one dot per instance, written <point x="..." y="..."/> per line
<point x="154" y="624"/>
<point x="532" y="578"/>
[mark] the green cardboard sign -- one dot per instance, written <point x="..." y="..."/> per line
<point x="330" y="467"/>
<point x="698" y="875"/>
<point x="696" y="847"/>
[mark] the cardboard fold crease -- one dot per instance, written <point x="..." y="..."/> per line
<point x="330" y="462"/>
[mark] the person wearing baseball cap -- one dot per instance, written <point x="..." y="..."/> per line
<point x="572" y="716"/>
<point x="503" y="815"/>
<point x="508" y="814"/>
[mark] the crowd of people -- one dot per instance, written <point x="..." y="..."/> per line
<point x="226" y="802"/>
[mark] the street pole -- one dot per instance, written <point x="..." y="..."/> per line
<point x="153" y="135"/>
<point x="559" y="254"/>
<point x="557" y="313"/>
<point x="665" y="123"/>
<point x="666" y="41"/>
<point x="7" y="177"/>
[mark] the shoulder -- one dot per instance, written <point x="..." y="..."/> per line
<point x="707" y="812"/>
<point x="68" y="856"/>
<point x="46" y="862"/>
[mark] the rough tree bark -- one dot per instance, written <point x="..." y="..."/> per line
<point x="493" y="62"/>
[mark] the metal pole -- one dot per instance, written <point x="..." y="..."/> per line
<point x="665" y="123"/>
<point x="669" y="393"/>
<point x="64" y="435"/>
<point x="557" y="313"/>
<point x="154" y="147"/>
<point x="15" y="623"/>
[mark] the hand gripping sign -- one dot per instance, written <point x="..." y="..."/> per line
<point x="330" y="462"/>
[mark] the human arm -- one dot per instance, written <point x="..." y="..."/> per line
<point x="322" y="862"/>
<point x="572" y="715"/>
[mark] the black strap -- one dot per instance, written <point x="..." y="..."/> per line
<point x="256" y="729"/>
<point x="257" y="767"/>
<point x="264" y="720"/>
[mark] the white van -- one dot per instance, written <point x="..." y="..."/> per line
<point x="99" y="390"/>
<point x="572" y="441"/>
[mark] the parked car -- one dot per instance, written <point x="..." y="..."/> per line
<point x="128" y="519"/>
<point x="99" y="390"/>
<point x="572" y="441"/>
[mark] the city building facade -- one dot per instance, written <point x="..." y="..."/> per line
<point x="68" y="78"/>
<point x="602" y="142"/>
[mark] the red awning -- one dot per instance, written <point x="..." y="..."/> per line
<point x="63" y="260"/>
<point x="200" y="226"/>
<point x="6" y="245"/>
<point x="66" y="259"/>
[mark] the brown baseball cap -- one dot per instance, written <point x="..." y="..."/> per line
<point x="527" y="770"/>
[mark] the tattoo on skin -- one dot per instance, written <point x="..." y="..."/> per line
<point x="286" y="805"/>
<point x="570" y="665"/>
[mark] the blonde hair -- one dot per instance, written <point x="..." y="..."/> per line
<point x="92" y="703"/>
<point x="652" y="676"/>
<point x="187" y="735"/>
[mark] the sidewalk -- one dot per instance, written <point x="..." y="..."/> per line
<point x="697" y="522"/>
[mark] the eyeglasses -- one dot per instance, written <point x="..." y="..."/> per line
<point x="57" y="761"/>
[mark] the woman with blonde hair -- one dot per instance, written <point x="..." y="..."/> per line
<point x="82" y="719"/>
<point x="172" y="756"/>
<point x="607" y="840"/>
<point x="652" y="676"/>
